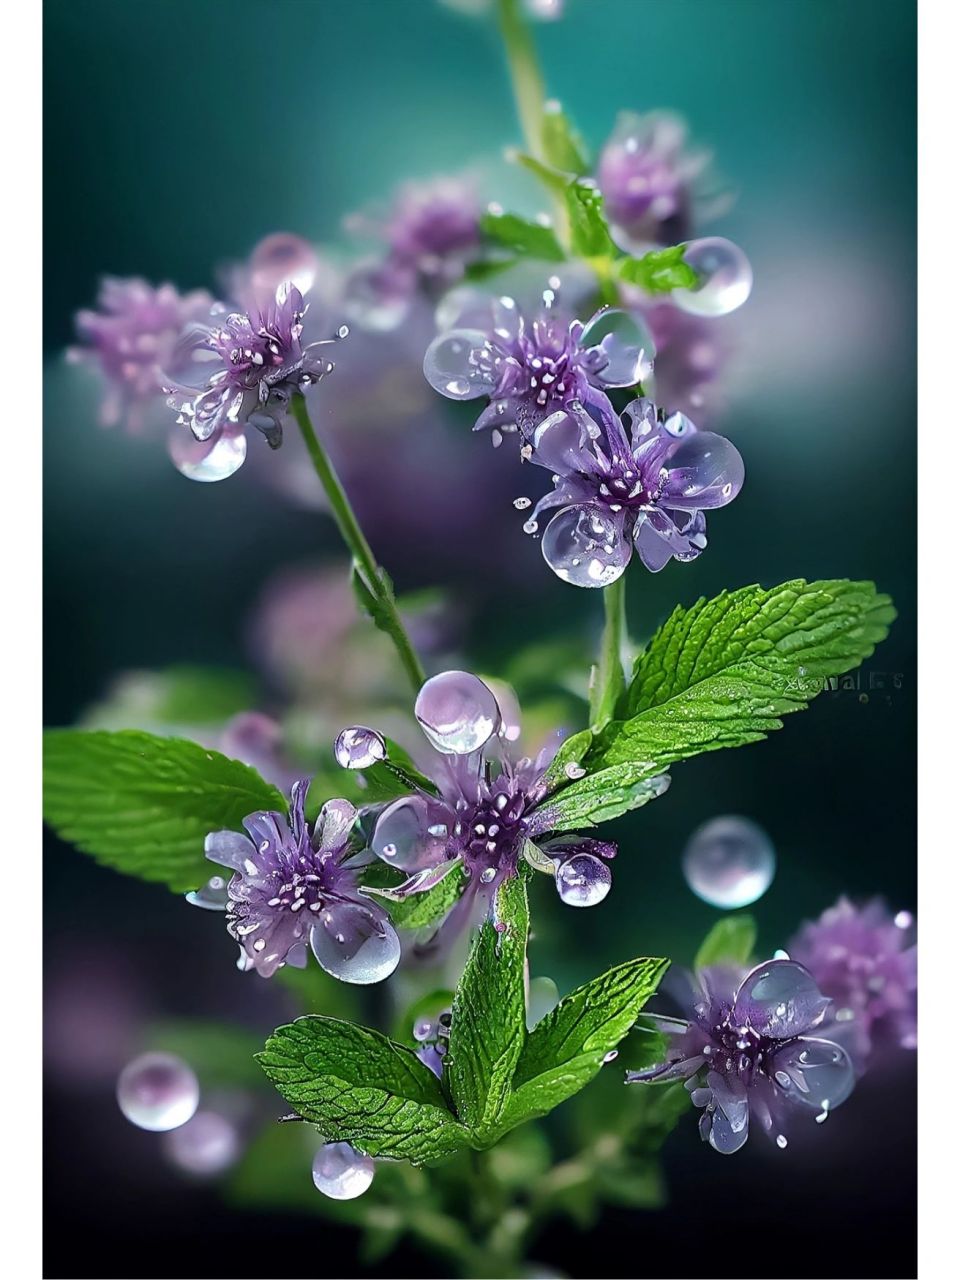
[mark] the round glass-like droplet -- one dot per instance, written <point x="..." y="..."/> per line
<point x="359" y="747"/>
<point x="729" y="862"/>
<point x="726" y="278"/>
<point x="212" y="897"/>
<point x="626" y="344"/>
<point x="157" y="1091"/>
<point x="199" y="460"/>
<point x="205" y="1146"/>
<point x="583" y="880"/>
<point x="542" y="998"/>
<point x="449" y="368"/>
<point x="341" y="1172"/>
<point x="585" y="547"/>
<point x="457" y="712"/>
<point x="355" y="951"/>
<point x="706" y="471"/>
<point x="281" y="257"/>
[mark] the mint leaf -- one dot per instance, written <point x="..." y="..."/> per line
<point x="552" y="178"/>
<point x="730" y="941"/>
<point x="489" y="1014"/>
<point x="358" y="1086"/>
<point x="524" y="238"/>
<point x="603" y="795"/>
<point x="567" y="1048"/>
<point x="589" y="237"/>
<point x="223" y="1054"/>
<point x="485" y="268"/>
<point x="659" y="271"/>
<point x="143" y="804"/>
<point x="724" y="672"/>
<point x="562" y="145"/>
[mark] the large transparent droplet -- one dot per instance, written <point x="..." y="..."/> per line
<point x="199" y="460"/>
<point x="341" y="1172"/>
<point x="407" y="836"/>
<point x="583" y="880"/>
<point x="542" y="998"/>
<point x="355" y="950"/>
<point x="780" y="999"/>
<point x="157" y="1091"/>
<point x="448" y="366"/>
<point x="729" y="862"/>
<point x="457" y="712"/>
<point x="282" y="257"/>
<point x="625" y="343"/>
<point x="205" y="1146"/>
<point x="359" y="747"/>
<point x="584" y="546"/>
<point x="705" y="471"/>
<point x="817" y="1073"/>
<point x="212" y="896"/>
<point x="726" y="278"/>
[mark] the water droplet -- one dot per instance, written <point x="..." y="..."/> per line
<point x="204" y="1146"/>
<point x="729" y="862"/>
<point x="423" y="1029"/>
<point x="451" y="368"/>
<point x="612" y="1055"/>
<point x="199" y="460"/>
<point x="157" y="1091"/>
<point x="585" y="547"/>
<point x="488" y="874"/>
<point x="212" y="897"/>
<point x="457" y="712"/>
<point x="366" y="954"/>
<point x="625" y="344"/>
<point x="574" y="770"/>
<point x="542" y="998"/>
<point x="583" y="880"/>
<point x="521" y="503"/>
<point x="781" y="1142"/>
<point x="281" y="257"/>
<point x="359" y="747"/>
<point x="341" y="1172"/>
<point x="726" y="278"/>
<point x="903" y="919"/>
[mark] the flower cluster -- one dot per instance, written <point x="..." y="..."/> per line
<point x="293" y="887"/>
<point x="749" y="1053"/>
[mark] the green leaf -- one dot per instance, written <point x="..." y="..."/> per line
<point x="486" y="268"/>
<point x="175" y="697"/>
<point x="589" y="236"/>
<point x="555" y="180"/>
<point x="562" y="145"/>
<point x="603" y="796"/>
<point x="419" y="909"/>
<point x="730" y="941"/>
<point x="525" y="238"/>
<point x="489" y="1013"/>
<point x="567" y="1048"/>
<point x="222" y="1054"/>
<point x="659" y="271"/>
<point x="724" y="672"/>
<point x="358" y="1086"/>
<point x="143" y="804"/>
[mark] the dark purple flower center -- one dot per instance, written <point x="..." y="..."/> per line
<point x="488" y="834"/>
<point x="627" y="485"/>
<point x="735" y="1050"/>
<point x="301" y="884"/>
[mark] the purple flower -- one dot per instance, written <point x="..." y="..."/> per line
<point x="747" y="1053"/>
<point x="692" y="352"/>
<point x="636" y="481"/>
<point x="530" y="369"/>
<point x="258" y="364"/>
<point x="651" y="183"/>
<point x="292" y="887"/>
<point x="865" y="960"/>
<point x="482" y="810"/>
<point x="432" y="1035"/>
<point x="131" y="340"/>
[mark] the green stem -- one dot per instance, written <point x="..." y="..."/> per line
<point x="608" y="680"/>
<point x="372" y="577"/>
<point x="525" y="73"/>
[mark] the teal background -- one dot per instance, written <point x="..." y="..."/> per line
<point x="179" y="133"/>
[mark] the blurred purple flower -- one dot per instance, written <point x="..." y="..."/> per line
<point x="637" y="481"/>
<point x="692" y="352"/>
<point x="259" y="363"/>
<point x="131" y="339"/>
<point x="747" y="1053"/>
<point x="652" y="184"/>
<point x="865" y="960"/>
<point x="529" y="369"/>
<point x="292" y="887"/>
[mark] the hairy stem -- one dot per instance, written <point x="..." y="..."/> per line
<point x="608" y="679"/>
<point x="372" y="577"/>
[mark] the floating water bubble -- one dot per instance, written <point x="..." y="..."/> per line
<point x="157" y="1091"/>
<point x="281" y="257"/>
<point x="212" y="897"/>
<point x="198" y="460"/>
<point x="359" y="747"/>
<point x="341" y="1172"/>
<point x="729" y="862"/>
<point x="457" y="712"/>
<point x="355" y="950"/>
<point x="585" y="547"/>
<point x="449" y="368"/>
<point x="205" y="1146"/>
<point x="583" y="880"/>
<point x="726" y="278"/>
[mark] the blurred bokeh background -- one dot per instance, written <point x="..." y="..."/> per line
<point x="178" y="133"/>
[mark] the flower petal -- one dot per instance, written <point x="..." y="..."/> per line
<point x="817" y="1073"/>
<point x="704" y="471"/>
<point x="779" y="999"/>
<point x="624" y="347"/>
<point x="334" y="824"/>
<point x="403" y="836"/>
<point x="228" y="849"/>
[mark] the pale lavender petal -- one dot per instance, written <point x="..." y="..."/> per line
<point x="228" y="849"/>
<point x="818" y="1073"/>
<point x="704" y="471"/>
<point x="780" y="999"/>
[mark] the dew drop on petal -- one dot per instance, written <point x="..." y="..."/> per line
<point x="212" y="897"/>
<point x="585" y="547"/>
<point x="449" y="368"/>
<point x="726" y="278"/>
<point x="359" y="747"/>
<point x="341" y="1172"/>
<point x="157" y="1091"/>
<point x="729" y="862"/>
<point x="457" y="712"/>
<point x="199" y="460"/>
<point x="583" y="880"/>
<point x="358" y="957"/>
<point x="205" y="1146"/>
